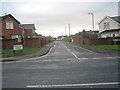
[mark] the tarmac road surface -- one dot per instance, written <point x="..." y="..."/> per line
<point x="65" y="66"/>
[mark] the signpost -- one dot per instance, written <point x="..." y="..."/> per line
<point x="17" y="47"/>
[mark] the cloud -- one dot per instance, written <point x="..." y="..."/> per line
<point x="51" y="15"/>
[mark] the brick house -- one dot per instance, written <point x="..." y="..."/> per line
<point x="9" y="27"/>
<point x="13" y="33"/>
<point x="28" y="30"/>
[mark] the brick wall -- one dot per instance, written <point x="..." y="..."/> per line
<point x="8" y="43"/>
<point x="99" y="41"/>
<point x="28" y="43"/>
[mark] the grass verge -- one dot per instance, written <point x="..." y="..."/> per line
<point x="108" y="47"/>
<point x="9" y="52"/>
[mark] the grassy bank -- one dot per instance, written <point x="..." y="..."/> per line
<point x="108" y="47"/>
<point x="9" y="52"/>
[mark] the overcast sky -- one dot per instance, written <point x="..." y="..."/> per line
<point x="51" y="16"/>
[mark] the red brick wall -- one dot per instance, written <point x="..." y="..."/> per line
<point x="0" y="28"/>
<point x="28" y="43"/>
<point x="78" y="39"/>
<point x="32" y="43"/>
<point x="99" y="41"/>
<point x="6" y="32"/>
<point x="8" y="43"/>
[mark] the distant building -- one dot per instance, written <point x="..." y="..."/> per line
<point x="109" y="27"/>
<point x="9" y="27"/>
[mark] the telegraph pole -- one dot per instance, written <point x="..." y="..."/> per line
<point x="69" y="29"/>
<point x="65" y="30"/>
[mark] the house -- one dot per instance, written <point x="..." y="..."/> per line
<point x="9" y="27"/>
<point x="109" y="27"/>
<point x="28" y="30"/>
<point x="12" y="33"/>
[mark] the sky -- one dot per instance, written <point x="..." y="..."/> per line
<point x="52" y="16"/>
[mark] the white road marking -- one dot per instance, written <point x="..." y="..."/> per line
<point x="108" y="57"/>
<point x="70" y="51"/>
<point x="96" y="58"/>
<point x="86" y="49"/>
<point x="59" y="60"/>
<point x="74" y="55"/>
<point x="46" y="60"/>
<point x="72" y="85"/>
<point x="82" y="58"/>
<point x="69" y="59"/>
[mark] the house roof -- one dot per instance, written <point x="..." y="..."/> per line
<point x="115" y="18"/>
<point x="9" y="15"/>
<point x="27" y="26"/>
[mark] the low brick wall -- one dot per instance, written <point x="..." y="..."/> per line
<point x="28" y="43"/>
<point x="98" y="41"/>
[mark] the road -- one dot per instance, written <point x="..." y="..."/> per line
<point x="65" y="66"/>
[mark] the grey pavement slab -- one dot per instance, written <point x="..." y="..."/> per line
<point x="42" y="52"/>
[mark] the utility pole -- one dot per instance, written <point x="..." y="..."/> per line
<point x="69" y="29"/>
<point x="92" y="20"/>
<point x="65" y="30"/>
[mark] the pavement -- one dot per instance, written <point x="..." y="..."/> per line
<point x="45" y="49"/>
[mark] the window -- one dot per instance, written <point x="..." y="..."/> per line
<point x="107" y="25"/>
<point x="113" y="35"/>
<point x="14" y="36"/>
<point x="9" y="25"/>
<point x="107" y="35"/>
<point x="1" y="37"/>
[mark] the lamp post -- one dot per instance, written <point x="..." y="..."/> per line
<point x="92" y="20"/>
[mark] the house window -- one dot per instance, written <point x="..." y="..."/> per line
<point x="1" y="37"/>
<point x="9" y="25"/>
<point x="107" y="36"/>
<point x="14" y="36"/>
<point x="113" y="35"/>
<point x="107" y="26"/>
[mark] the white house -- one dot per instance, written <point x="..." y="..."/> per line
<point x="109" y="27"/>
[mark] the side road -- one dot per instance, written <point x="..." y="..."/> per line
<point x="42" y="52"/>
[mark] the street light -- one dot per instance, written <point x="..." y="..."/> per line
<point x="92" y="20"/>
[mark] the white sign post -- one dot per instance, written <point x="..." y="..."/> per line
<point x="17" y="47"/>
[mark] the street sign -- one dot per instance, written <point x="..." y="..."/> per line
<point x="18" y="47"/>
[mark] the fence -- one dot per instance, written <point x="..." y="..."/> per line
<point x="27" y="43"/>
<point x="87" y="41"/>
